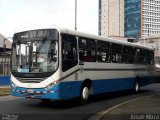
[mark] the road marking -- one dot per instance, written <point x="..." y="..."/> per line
<point x="7" y="98"/>
<point x="101" y="114"/>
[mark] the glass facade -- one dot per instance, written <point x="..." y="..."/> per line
<point x="132" y="16"/>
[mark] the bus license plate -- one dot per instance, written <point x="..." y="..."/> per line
<point x="30" y="91"/>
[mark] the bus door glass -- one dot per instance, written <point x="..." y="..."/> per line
<point x="69" y="52"/>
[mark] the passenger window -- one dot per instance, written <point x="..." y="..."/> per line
<point x="149" y="57"/>
<point x="117" y="53"/>
<point x="146" y="57"/>
<point x="138" y="55"/>
<point x="87" y="50"/>
<point x="69" y="52"/>
<point x="128" y="55"/>
<point x="103" y="51"/>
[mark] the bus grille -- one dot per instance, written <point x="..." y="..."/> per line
<point x="30" y="80"/>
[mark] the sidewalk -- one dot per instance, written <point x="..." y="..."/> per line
<point x="5" y="86"/>
<point x="146" y="108"/>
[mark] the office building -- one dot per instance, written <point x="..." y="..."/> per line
<point x="129" y="18"/>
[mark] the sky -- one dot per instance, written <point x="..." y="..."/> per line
<point x="20" y="15"/>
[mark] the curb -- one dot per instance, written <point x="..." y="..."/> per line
<point x="101" y="114"/>
<point x="5" y="95"/>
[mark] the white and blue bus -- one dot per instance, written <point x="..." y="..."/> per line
<point x="54" y="64"/>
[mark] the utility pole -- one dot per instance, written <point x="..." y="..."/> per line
<point x="119" y="17"/>
<point x="75" y="14"/>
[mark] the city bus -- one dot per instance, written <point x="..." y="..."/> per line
<point x="61" y="64"/>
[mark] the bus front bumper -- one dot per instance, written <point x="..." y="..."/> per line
<point x="37" y="93"/>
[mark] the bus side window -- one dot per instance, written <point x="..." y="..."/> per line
<point x="117" y="53"/>
<point x="69" y="52"/>
<point x="138" y="57"/>
<point x="81" y="55"/>
<point x="103" y="51"/>
<point x="128" y="55"/>
<point x="151" y="57"/>
<point x="145" y="56"/>
<point x="87" y="50"/>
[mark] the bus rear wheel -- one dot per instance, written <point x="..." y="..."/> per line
<point x="136" y="87"/>
<point x="85" y="94"/>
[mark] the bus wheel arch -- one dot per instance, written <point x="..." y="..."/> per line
<point x="85" y="91"/>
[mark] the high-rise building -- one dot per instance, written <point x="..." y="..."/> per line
<point x="129" y="18"/>
<point x="111" y="17"/>
<point x="132" y="18"/>
<point x="150" y="17"/>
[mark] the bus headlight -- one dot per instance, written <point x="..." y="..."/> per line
<point x="51" y="85"/>
<point x="13" y="85"/>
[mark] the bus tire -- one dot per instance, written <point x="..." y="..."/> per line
<point x="84" y="94"/>
<point x="136" y="87"/>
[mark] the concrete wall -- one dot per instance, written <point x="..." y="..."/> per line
<point x="112" y="18"/>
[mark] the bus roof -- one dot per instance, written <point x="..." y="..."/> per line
<point x="112" y="40"/>
<point x="82" y="34"/>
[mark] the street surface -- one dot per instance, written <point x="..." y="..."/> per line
<point x="33" y="109"/>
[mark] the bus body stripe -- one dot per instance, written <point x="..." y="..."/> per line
<point x="95" y="69"/>
<point x="71" y="89"/>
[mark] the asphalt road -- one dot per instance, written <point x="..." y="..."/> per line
<point x="32" y="109"/>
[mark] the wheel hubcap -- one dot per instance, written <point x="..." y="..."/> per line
<point x="85" y="93"/>
<point x="137" y="87"/>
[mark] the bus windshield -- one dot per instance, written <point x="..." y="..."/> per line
<point x="35" y="56"/>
